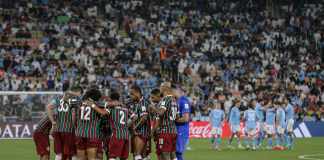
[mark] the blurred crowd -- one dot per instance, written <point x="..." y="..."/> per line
<point x="213" y="48"/>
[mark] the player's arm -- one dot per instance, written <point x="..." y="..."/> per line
<point x="156" y="125"/>
<point x="99" y="110"/>
<point x="143" y="118"/>
<point x="132" y="119"/>
<point x="49" y="109"/>
<point x="186" y="114"/>
<point x="160" y="111"/>
<point x="185" y="118"/>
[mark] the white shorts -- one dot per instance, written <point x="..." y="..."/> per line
<point x="260" y="126"/>
<point x="235" y="128"/>
<point x="270" y="129"/>
<point x="216" y="130"/>
<point x="290" y="125"/>
<point x="280" y="130"/>
<point x="250" y="131"/>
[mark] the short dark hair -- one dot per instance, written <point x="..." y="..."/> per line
<point x="77" y="89"/>
<point x="114" y="95"/>
<point x="156" y="91"/>
<point x="65" y="86"/>
<point x="137" y="89"/>
<point x="94" y="94"/>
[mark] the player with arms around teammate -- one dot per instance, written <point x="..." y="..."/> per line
<point x="155" y="98"/>
<point x="87" y="125"/>
<point x="280" y="125"/>
<point x="167" y="132"/>
<point x="41" y="138"/>
<point x="250" y="118"/>
<point x="290" y="114"/>
<point x="259" y="109"/>
<point x="182" y="122"/>
<point x="63" y="124"/>
<point x="142" y="127"/>
<point x="270" y="123"/>
<point x="234" y="121"/>
<point x="120" y="119"/>
<point x="216" y="119"/>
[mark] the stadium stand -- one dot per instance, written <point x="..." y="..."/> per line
<point x="219" y="50"/>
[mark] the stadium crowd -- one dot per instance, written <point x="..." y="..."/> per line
<point x="220" y="49"/>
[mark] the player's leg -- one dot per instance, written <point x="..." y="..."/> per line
<point x="147" y="152"/>
<point x="81" y="154"/>
<point x="42" y="145"/>
<point x="125" y="150"/>
<point x="58" y="147"/>
<point x="68" y="142"/>
<point x="139" y="145"/>
<point x="99" y="156"/>
<point x="180" y="147"/>
<point x="80" y="148"/>
<point x="114" y="151"/>
<point x="239" y="140"/>
<point x="91" y="153"/>
<point x="45" y="157"/>
<point x="261" y="135"/>
<point x="218" y="138"/>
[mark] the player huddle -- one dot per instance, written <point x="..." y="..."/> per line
<point x="87" y="125"/>
<point x="270" y="119"/>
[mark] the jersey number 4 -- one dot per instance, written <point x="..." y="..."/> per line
<point x="85" y="112"/>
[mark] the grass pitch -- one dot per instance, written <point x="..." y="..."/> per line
<point x="307" y="149"/>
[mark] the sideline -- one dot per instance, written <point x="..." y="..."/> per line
<point x="311" y="157"/>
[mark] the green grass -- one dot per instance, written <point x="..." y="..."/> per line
<point x="201" y="150"/>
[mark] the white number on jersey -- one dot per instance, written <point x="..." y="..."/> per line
<point x="85" y="112"/>
<point x="173" y="113"/>
<point x="64" y="107"/>
<point x="122" y="117"/>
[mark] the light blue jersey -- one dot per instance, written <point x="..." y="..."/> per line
<point x="270" y="116"/>
<point x="289" y="112"/>
<point x="281" y="117"/>
<point x="216" y="117"/>
<point x="250" y="117"/>
<point x="259" y="111"/>
<point x="234" y="118"/>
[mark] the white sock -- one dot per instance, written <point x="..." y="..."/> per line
<point x="138" y="157"/>
<point x="147" y="158"/>
<point x="74" y="158"/>
<point x="58" y="157"/>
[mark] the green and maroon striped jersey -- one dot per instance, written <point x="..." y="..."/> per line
<point x="118" y="120"/>
<point x="65" y="110"/>
<point x="140" y="109"/>
<point x="44" y="125"/>
<point x="167" y="120"/>
<point x="87" y="122"/>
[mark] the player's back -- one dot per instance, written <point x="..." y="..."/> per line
<point x="281" y="117"/>
<point x="259" y="111"/>
<point x="250" y="117"/>
<point x="270" y="116"/>
<point x="141" y="109"/>
<point x="65" y="114"/>
<point x="87" y="122"/>
<point x="290" y="112"/>
<point x="118" y="119"/>
<point x="234" y="116"/>
<point x="167" y="120"/>
<point x="216" y="116"/>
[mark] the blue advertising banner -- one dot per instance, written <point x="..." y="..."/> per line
<point x="309" y="129"/>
